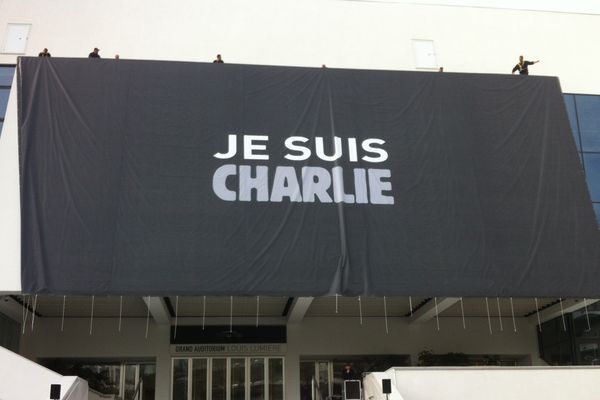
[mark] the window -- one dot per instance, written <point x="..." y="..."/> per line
<point x="572" y="114"/>
<point x="588" y="113"/>
<point x="592" y="173"/>
<point x="228" y="378"/>
<point x="6" y="78"/>
<point x="424" y="53"/>
<point x="112" y="379"/>
<point x="3" y="102"/>
<point x="584" y="116"/>
<point x="6" y="75"/>
<point x="15" y="39"/>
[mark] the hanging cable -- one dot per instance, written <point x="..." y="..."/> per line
<point x="203" y="311"/>
<point x="487" y="307"/>
<point x="512" y="312"/>
<point x="176" y="316"/>
<point x="92" y="316"/>
<point x="62" y="320"/>
<point x="33" y="312"/>
<point x="120" y="312"/>
<point x="587" y="316"/>
<point x="437" y="317"/>
<point x="26" y="305"/>
<point x="257" y="309"/>
<point x="230" y="314"/>
<point x="23" y="313"/>
<point x="385" y="315"/>
<point x="147" y="316"/>
<point x="562" y="314"/>
<point x="499" y="314"/>
<point x="537" y="311"/>
<point x="360" y="310"/>
<point x="462" y="312"/>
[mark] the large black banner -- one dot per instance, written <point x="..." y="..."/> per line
<point x="144" y="177"/>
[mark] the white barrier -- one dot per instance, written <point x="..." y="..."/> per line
<point x="491" y="383"/>
<point x="22" y="379"/>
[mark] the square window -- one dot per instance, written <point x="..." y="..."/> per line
<point x="588" y="113"/>
<point x="424" y="52"/>
<point x="572" y="114"/>
<point x="4" y="93"/>
<point x="592" y="174"/>
<point x="15" y="39"/>
<point x="6" y="75"/>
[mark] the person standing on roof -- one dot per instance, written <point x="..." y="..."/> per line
<point x="94" y="54"/>
<point x="44" y="53"/>
<point x="218" y="60"/>
<point x="522" y="66"/>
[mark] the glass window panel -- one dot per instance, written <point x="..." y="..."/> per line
<point x="130" y="374"/>
<point x="148" y="377"/>
<point x="570" y="105"/>
<point x="238" y="379"/>
<point x="307" y="373"/>
<point x="199" y="378"/>
<point x="219" y="379"/>
<point x="105" y="379"/>
<point x="592" y="174"/>
<point x="180" y="379"/>
<point x="3" y="101"/>
<point x="276" y="379"/>
<point x="588" y="112"/>
<point x="257" y="379"/>
<point x="6" y="75"/>
<point x="590" y="140"/>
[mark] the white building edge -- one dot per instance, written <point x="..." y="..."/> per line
<point x="394" y="35"/>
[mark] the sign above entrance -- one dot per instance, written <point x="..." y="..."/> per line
<point x="228" y="348"/>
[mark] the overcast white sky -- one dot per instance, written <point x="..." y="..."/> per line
<point x="578" y="6"/>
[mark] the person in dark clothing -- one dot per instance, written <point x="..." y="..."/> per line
<point x="44" y="53"/>
<point x="94" y="54"/>
<point x="522" y="66"/>
<point x="348" y="374"/>
<point x="219" y="60"/>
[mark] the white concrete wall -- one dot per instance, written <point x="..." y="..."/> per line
<point x="22" y="379"/>
<point x="314" y="337"/>
<point x="494" y="383"/>
<point x="10" y="208"/>
<point x="348" y="34"/>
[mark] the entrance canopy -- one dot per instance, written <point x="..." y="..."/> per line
<point x="148" y="178"/>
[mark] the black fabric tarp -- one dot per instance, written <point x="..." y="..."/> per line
<point x="453" y="184"/>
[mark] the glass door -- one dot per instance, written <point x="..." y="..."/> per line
<point x="323" y="378"/>
<point x="238" y="379"/>
<point x="257" y="379"/>
<point x="228" y="378"/>
<point x="199" y="379"/>
<point x="130" y="381"/>
<point x="219" y="379"/>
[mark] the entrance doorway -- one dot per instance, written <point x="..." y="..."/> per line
<point x="228" y="378"/>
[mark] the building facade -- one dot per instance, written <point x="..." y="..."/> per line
<point x="240" y="348"/>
